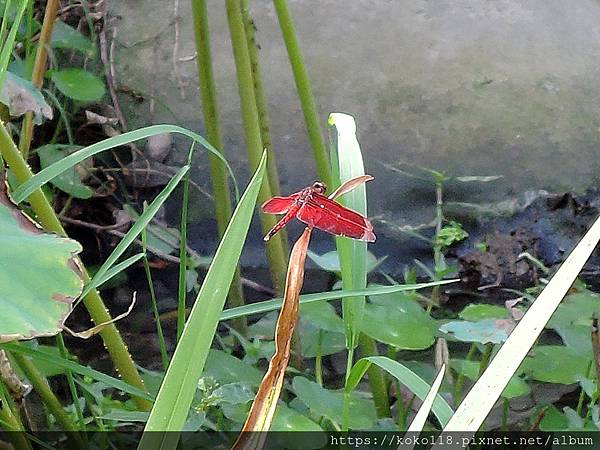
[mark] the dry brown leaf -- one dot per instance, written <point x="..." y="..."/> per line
<point x="98" y="328"/>
<point x="263" y="407"/>
<point x="349" y="185"/>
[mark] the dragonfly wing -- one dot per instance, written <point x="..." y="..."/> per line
<point x="278" y="205"/>
<point x="327" y="215"/>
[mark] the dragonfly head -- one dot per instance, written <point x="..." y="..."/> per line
<point x="319" y="187"/>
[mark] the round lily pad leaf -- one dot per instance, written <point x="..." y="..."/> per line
<point x="573" y="319"/>
<point x="330" y="261"/>
<point x="494" y="331"/>
<point x="330" y="404"/>
<point x="40" y="276"/>
<point x="478" y="311"/>
<point x="398" y="321"/>
<point x="226" y="368"/>
<point x="555" y="364"/>
<point x="320" y="329"/>
<point x="516" y="386"/>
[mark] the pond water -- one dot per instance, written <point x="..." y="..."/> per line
<point x="505" y="88"/>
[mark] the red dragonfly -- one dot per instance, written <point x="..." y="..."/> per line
<point x="312" y="207"/>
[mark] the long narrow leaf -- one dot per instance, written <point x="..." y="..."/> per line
<point x="115" y="270"/>
<point x="45" y="175"/>
<point x="177" y="390"/>
<point x="353" y="253"/>
<point x="418" y="422"/>
<point x="407" y="377"/>
<point x="76" y="368"/>
<point x="275" y="304"/>
<point x="483" y="395"/>
<point x="7" y="46"/>
<point x="136" y="229"/>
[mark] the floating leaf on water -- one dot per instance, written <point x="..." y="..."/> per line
<point x="555" y="364"/>
<point x="330" y="261"/>
<point x="400" y="321"/>
<point x="475" y="312"/>
<point x="516" y="386"/>
<point x="330" y="404"/>
<point x="228" y="369"/>
<point x="494" y="331"/>
<point x="479" y="179"/>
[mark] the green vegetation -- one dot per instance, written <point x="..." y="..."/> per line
<point x="400" y="335"/>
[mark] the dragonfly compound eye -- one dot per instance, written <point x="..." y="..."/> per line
<point x="319" y="187"/>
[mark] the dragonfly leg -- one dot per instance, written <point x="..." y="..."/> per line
<point x="282" y="223"/>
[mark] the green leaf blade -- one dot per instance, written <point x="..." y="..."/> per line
<point x="79" y="84"/>
<point x="40" y="278"/>
<point x="176" y="393"/>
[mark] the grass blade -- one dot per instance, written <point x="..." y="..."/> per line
<point x="7" y="46"/>
<point x="76" y="368"/>
<point x="183" y="267"/>
<point x="45" y="175"/>
<point x="275" y="304"/>
<point x="352" y="253"/>
<point x="348" y="165"/>
<point x="418" y="422"/>
<point x="136" y="229"/>
<point x="483" y="395"/>
<point x="115" y="270"/>
<point x="177" y="390"/>
<point x="411" y="380"/>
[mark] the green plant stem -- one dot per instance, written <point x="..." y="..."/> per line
<point x="505" y="410"/>
<point x="39" y="68"/>
<point x="368" y="347"/>
<point x="11" y="422"/>
<point x="218" y="173"/>
<point x="460" y="378"/>
<point x="4" y="24"/>
<point x="261" y="99"/>
<point x="277" y="249"/>
<point x="319" y="360"/>
<point x="92" y="301"/>
<point x="485" y="358"/>
<point x="400" y="407"/>
<point x="71" y="381"/>
<point x="346" y="406"/>
<point x="590" y="406"/>
<point x="307" y="100"/>
<point x="164" y="356"/>
<point x="41" y="386"/>
<point x="183" y="253"/>
<point x="582" y="393"/>
<point x="29" y="30"/>
<point x="437" y="249"/>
